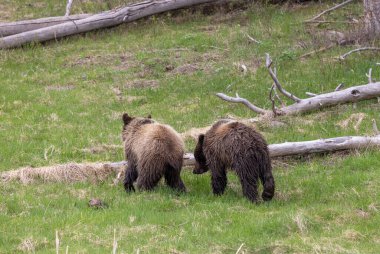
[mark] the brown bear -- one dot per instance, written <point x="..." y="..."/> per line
<point x="153" y="150"/>
<point x="231" y="144"/>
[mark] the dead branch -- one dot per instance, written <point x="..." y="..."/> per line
<point x="272" y="100"/>
<point x="317" y="101"/>
<point x="339" y="87"/>
<point x="317" y="51"/>
<point x="68" y="7"/>
<point x="369" y="75"/>
<point x="102" y="20"/>
<point x="311" y="94"/>
<point x="277" y="83"/>
<point x="17" y="27"/>
<point x="333" y="21"/>
<point x="238" y="99"/>
<point x="328" y="10"/>
<point x="342" y="57"/>
<point x="252" y="39"/>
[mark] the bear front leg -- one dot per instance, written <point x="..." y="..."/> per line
<point x="131" y="175"/>
<point x="173" y="179"/>
<point x="218" y="178"/>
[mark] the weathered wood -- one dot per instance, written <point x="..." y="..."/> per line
<point x="351" y="94"/>
<point x="102" y="20"/>
<point x="95" y="172"/>
<point x="323" y="145"/>
<point x="372" y="18"/>
<point x="313" y="146"/>
<point x="317" y="101"/>
<point x="17" y="27"/>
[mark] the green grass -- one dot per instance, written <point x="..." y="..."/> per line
<point x="61" y="97"/>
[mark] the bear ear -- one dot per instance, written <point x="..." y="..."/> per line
<point x="126" y="118"/>
<point x="201" y="138"/>
<point x="149" y="116"/>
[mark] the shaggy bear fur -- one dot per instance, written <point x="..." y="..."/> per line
<point x="230" y="144"/>
<point x="153" y="150"/>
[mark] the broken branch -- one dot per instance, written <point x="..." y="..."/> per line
<point x="339" y="87"/>
<point x="342" y="57"/>
<point x="369" y="75"/>
<point x="328" y="10"/>
<point x="252" y="39"/>
<point x="238" y="99"/>
<point x="68" y="7"/>
<point x="277" y="83"/>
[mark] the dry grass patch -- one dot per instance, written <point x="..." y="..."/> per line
<point x="142" y="84"/>
<point x="353" y="120"/>
<point x="68" y="173"/>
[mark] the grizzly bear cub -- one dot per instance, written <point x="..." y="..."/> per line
<point x="153" y="150"/>
<point x="230" y="144"/>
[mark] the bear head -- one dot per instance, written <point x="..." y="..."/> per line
<point x="200" y="159"/>
<point x="133" y="123"/>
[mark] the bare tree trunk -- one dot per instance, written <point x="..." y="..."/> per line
<point x="102" y="20"/>
<point x="372" y="18"/>
<point x="17" y="27"/>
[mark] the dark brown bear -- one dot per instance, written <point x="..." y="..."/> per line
<point x="230" y="144"/>
<point x="153" y="150"/>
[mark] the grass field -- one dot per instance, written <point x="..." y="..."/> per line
<point x="60" y="99"/>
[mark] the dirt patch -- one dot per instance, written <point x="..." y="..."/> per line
<point x="186" y="69"/>
<point x="142" y="84"/>
<point x="116" y="61"/>
<point x="59" y="87"/>
<point x="27" y="245"/>
<point x="352" y="235"/>
<point x="362" y="214"/>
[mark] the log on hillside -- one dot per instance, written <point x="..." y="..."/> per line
<point x="99" y="172"/>
<point x="316" y="101"/>
<point x="313" y="146"/>
<point x="102" y="20"/>
<point x="17" y="27"/>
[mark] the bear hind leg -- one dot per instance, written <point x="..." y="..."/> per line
<point x="173" y="178"/>
<point x="130" y="177"/>
<point x="269" y="186"/>
<point x="248" y="180"/>
<point x="148" y="179"/>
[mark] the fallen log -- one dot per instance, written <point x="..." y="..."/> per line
<point x="102" y="20"/>
<point x="317" y="101"/>
<point x="99" y="172"/>
<point x="21" y="26"/>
